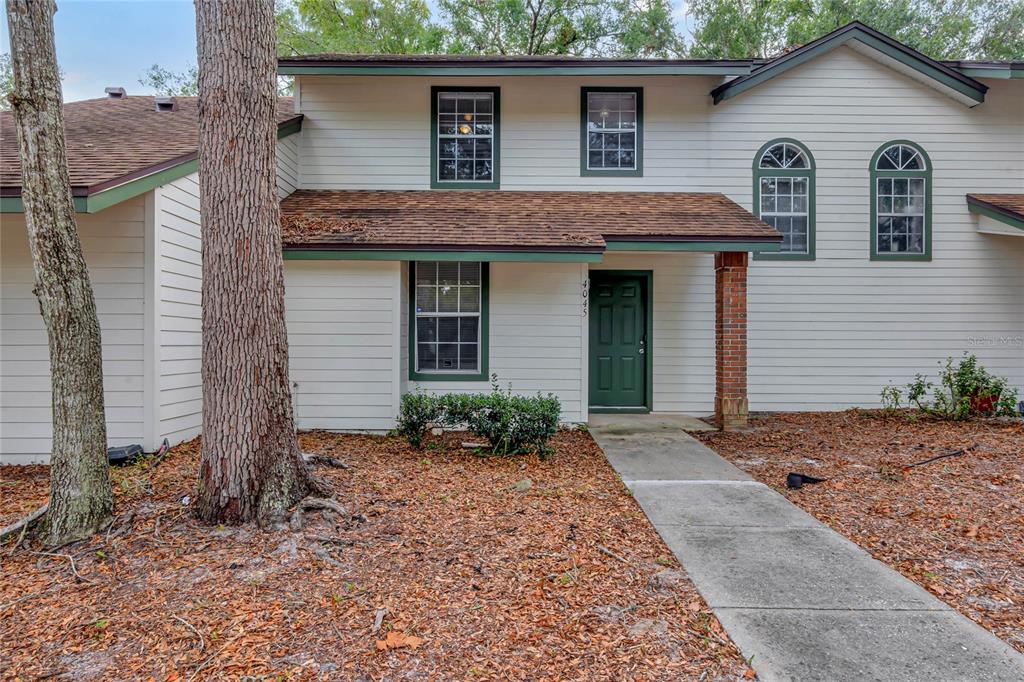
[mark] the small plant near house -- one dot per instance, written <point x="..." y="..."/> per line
<point x="417" y="413"/>
<point x="511" y="424"/>
<point x="964" y="390"/>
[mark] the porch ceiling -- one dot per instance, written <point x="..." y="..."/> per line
<point x="510" y="221"/>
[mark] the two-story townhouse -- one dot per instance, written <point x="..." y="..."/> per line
<point x="638" y="235"/>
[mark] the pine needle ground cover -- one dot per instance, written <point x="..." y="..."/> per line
<point x="954" y="525"/>
<point x="448" y="566"/>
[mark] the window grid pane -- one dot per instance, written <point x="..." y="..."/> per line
<point x="611" y="130"/>
<point x="465" y="137"/>
<point x="448" y="300"/>
<point x="785" y="206"/>
<point x="900" y="212"/>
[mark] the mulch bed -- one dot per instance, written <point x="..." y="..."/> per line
<point x="955" y="525"/>
<point x="471" y="567"/>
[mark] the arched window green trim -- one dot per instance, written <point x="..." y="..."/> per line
<point x="899" y="192"/>
<point x="806" y="172"/>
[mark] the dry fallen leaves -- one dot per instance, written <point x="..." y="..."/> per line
<point x="397" y="640"/>
<point x="954" y="525"/>
<point x="478" y="580"/>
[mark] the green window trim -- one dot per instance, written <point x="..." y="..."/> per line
<point x="435" y="183"/>
<point x="637" y="172"/>
<point x="875" y="175"/>
<point x="810" y="173"/>
<point x="485" y="305"/>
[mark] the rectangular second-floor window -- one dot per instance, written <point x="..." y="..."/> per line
<point x="464" y="144"/>
<point x="611" y="131"/>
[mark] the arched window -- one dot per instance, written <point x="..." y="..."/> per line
<point x="784" y="197"/>
<point x="901" y="202"/>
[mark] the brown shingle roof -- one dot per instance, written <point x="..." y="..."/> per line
<point x="111" y="141"/>
<point x="505" y="220"/>
<point x="1010" y="205"/>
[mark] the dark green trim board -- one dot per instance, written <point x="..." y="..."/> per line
<point x="640" y="245"/>
<point x="485" y="315"/>
<point x="647" y="277"/>
<point x="652" y="68"/>
<point x="987" y="210"/>
<point x="637" y="172"/>
<point x="875" y="175"/>
<point x="856" y="31"/>
<point x="115" y="195"/>
<point x="493" y="256"/>
<point x="289" y="128"/>
<point x="435" y="90"/>
<point x="808" y="173"/>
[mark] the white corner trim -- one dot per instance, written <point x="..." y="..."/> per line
<point x="151" y="324"/>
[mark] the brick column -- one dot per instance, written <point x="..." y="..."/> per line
<point x="731" y="340"/>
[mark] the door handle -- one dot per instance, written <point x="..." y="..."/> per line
<point x="640" y="350"/>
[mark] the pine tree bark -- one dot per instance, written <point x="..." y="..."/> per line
<point x="251" y="466"/>
<point x="81" y="501"/>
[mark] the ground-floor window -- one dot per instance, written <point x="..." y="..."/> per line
<point x="448" y="335"/>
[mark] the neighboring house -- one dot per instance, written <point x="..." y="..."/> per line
<point x="576" y="226"/>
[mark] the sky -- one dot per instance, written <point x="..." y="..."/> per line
<point x="103" y="43"/>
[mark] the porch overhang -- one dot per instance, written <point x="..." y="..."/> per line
<point x="512" y="225"/>
<point x="998" y="213"/>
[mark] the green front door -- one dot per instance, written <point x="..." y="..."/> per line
<point x="618" y="339"/>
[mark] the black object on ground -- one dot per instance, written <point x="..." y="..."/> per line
<point x="796" y="481"/>
<point x="125" y="454"/>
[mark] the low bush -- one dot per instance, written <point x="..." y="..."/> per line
<point x="416" y="414"/>
<point x="964" y="390"/>
<point x="511" y="424"/>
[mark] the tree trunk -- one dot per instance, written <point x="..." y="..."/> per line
<point x="81" y="501"/>
<point x="251" y="467"/>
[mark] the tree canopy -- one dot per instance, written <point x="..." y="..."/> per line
<point x="942" y="29"/>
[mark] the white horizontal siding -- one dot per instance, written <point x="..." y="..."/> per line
<point x="829" y="334"/>
<point x="288" y="165"/>
<point x="536" y="335"/>
<point x="113" y="242"/>
<point x="179" y="310"/>
<point x="342" y="328"/>
<point x="823" y="335"/>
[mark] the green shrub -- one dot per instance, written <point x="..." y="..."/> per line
<point x="964" y="390"/>
<point x="514" y="424"/>
<point x="417" y="412"/>
<point x="511" y="424"/>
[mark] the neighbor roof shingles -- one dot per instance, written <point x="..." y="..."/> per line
<point x="509" y="220"/>
<point x="1009" y="204"/>
<point x="110" y="140"/>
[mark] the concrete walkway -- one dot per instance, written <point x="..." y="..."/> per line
<point x="800" y="600"/>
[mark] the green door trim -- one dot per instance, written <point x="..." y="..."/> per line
<point x="648" y="279"/>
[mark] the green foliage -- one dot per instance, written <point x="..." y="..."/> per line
<point x="964" y="390"/>
<point x="170" y="83"/>
<point x="572" y="27"/>
<point x="511" y="424"/>
<point x="6" y="81"/>
<point x="417" y="412"/>
<point x="941" y="29"/>
<point x="356" y="26"/>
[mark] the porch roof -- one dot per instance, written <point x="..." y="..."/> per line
<point x="513" y="221"/>
<point x="1006" y="209"/>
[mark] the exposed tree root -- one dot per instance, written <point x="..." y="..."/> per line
<point x="298" y="516"/>
<point x="323" y="460"/>
<point x="24" y="524"/>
